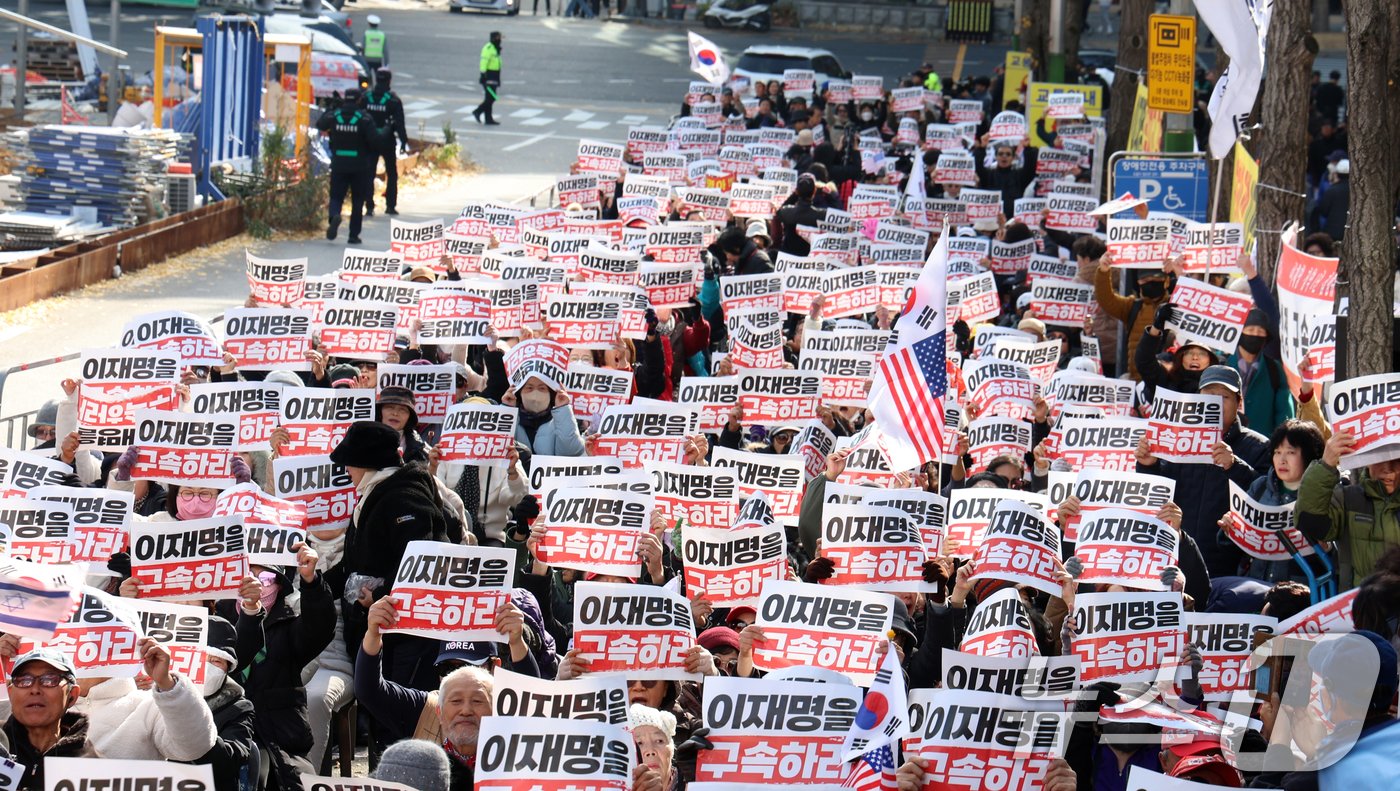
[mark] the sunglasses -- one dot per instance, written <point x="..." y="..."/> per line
<point x="47" y="681"/>
<point x="647" y="684"/>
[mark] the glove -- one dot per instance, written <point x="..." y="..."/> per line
<point x="820" y="569"/>
<point x="1104" y="693"/>
<point x="121" y="470"/>
<point x="699" y="740"/>
<point x="1165" y="313"/>
<point x="938" y="572"/>
<point x="120" y="564"/>
<point x="1074" y="566"/>
<point x="651" y="320"/>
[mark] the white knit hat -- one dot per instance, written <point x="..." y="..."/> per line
<point x="663" y="721"/>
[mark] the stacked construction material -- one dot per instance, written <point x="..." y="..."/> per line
<point x="79" y="170"/>
<point x="54" y="58"/>
<point x="28" y="231"/>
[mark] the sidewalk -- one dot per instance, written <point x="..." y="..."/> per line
<point x="206" y="282"/>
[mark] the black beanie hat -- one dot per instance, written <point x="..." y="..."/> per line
<point x="369" y="444"/>
<point x="223" y="638"/>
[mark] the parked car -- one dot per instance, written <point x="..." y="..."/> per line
<point x="507" y="7"/>
<point x="747" y="14"/>
<point x="766" y="63"/>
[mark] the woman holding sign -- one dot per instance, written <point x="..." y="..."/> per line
<point x="547" y="425"/>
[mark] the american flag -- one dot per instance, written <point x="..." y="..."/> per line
<point x="875" y="771"/>
<point x="907" y="393"/>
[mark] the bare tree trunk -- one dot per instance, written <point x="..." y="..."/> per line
<point x="1281" y="140"/>
<point x="1074" y="30"/>
<point x="1368" y="254"/>
<point x="1132" y="54"/>
<point x="1036" y="35"/>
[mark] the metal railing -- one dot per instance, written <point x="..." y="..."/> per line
<point x="15" y="428"/>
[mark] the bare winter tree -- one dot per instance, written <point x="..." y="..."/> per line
<point x="1373" y="116"/>
<point x="1132" y="58"/>
<point x="1280" y="142"/>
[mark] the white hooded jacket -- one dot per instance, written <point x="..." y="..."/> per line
<point x="130" y="723"/>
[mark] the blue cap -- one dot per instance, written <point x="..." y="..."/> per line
<point x="472" y="653"/>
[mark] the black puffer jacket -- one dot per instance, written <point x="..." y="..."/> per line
<point x="72" y="743"/>
<point x="273" y="647"/>
<point x="233" y="719"/>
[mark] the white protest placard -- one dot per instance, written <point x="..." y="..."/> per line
<point x="1208" y="315"/>
<point x="1104" y="443"/>
<point x="1126" y="636"/>
<point x="190" y="559"/>
<point x="507" y="301"/>
<point x="981" y="204"/>
<point x="255" y="405"/>
<point x="176" y="332"/>
<point x="99" y="638"/>
<point x="323" y="486"/>
<point x="275" y="281"/>
<point x="833" y="628"/>
<point x="68" y="774"/>
<point x="271" y="526"/>
<point x="1306" y="285"/>
<point x="845" y="377"/>
<point x="316" y="419"/>
<point x="1061" y="303"/>
<point x="115" y="384"/>
<point x="975" y="298"/>
<point x="778" y="476"/>
<point x="874" y="548"/>
<point x="1122" y="547"/>
<point x="588" y="698"/>
<point x="907" y="100"/>
<point x="600" y="157"/>
<point x="583" y="321"/>
<point x="419" y="243"/>
<point x="1001" y="387"/>
<point x="704" y="497"/>
<point x="1367" y="408"/>
<point x="37" y="530"/>
<point x="100" y="518"/>
<point x="730" y="566"/>
<point x="595" y="530"/>
<point x="1018" y="739"/>
<point x="182" y="628"/>
<point x="668" y="285"/>
<point x="1064" y="104"/>
<point x="538" y="358"/>
<point x="1139" y="244"/>
<point x="369" y="265"/>
<point x="970" y="510"/>
<point x="1030" y="677"/>
<point x="771" y="398"/>
<point x="1185" y="427"/>
<point x="595" y="389"/>
<point x="992" y="437"/>
<point x="1070" y="213"/>
<point x="553" y="755"/>
<point x="1217" y="254"/>
<point x="1000" y="627"/>
<point x="310" y="783"/>
<point x="269" y="339"/>
<point x="434" y="387"/>
<point x="449" y="592"/>
<point x="867" y="88"/>
<point x="1263" y="531"/>
<point x="643" y="631"/>
<point x="1330" y="616"/>
<point x="184" y="449"/>
<point x="1226" y="641"/>
<point x="646" y="431"/>
<point x="450" y="317"/>
<point x="357" y="330"/>
<point x="1019" y="546"/>
<point x="715" y="396"/>
<point x="765" y="732"/>
<point x="548" y="473"/>
<point x="1040" y="358"/>
<point x="478" y="434"/>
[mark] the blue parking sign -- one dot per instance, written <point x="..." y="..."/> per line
<point x="1175" y="184"/>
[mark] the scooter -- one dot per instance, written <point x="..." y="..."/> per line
<point x="739" y="14"/>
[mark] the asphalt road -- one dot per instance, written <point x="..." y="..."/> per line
<point x="563" y="79"/>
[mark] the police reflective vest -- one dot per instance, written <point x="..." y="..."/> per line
<point x="347" y="142"/>
<point x="374" y="44"/>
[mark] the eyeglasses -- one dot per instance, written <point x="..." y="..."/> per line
<point x="203" y="497"/>
<point x="648" y="684"/>
<point x="44" y="432"/>
<point x="47" y="681"/>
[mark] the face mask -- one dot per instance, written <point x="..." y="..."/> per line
<point x="271" y="587"/>
<point x="1253" y="343"/>
<point x="193" y="508"/>
<point x="1153" y="289"/>
<point x="213" y="679"/>
<point x="867" y="116"/>
<point x="535" y="402"/>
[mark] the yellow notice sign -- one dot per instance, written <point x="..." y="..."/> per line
<point x="1171" y="62"/>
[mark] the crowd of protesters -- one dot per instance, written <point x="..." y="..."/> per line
<point x="300" y="643"/>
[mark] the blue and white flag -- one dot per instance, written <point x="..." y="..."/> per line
<point x="36" y="597"/>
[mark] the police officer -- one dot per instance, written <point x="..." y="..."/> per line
<point x="384" y="106"/>
<point x="490" y="78"/>
<point x="353" y="140"/>
<point x="376" y="45"/>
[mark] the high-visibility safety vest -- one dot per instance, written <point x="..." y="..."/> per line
<point x="374" y="44"/>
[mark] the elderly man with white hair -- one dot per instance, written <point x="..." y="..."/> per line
<point x="451" y="715"/>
